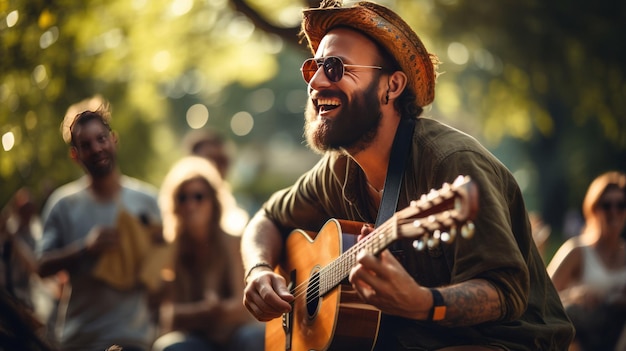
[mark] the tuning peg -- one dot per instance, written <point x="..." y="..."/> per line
<point x="418" y="224"/>
<point x="458" y="204"/>
<point x="433" y="241"/>
<point x="445" y="237"/>
<point x="419" y="245"/>
<point x="467" y="231"/>
<point x="434" y="197"/>
<point x="451" y="234"/>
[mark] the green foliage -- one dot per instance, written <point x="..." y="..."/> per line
<point x="140" y="55"/>
<point x="541" y="83"/>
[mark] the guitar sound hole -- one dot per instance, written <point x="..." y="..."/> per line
<point x="313" y="295"/>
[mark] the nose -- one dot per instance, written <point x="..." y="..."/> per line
<point x="319" y="80"/>
<point x="96" y="146"/>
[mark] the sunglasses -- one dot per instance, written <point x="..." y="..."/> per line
<point x="607" y="205"/>
<point x="197" y="197"/>
<point x="333" y="68"/>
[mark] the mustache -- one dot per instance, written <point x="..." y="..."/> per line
<point x="327" y="94"/>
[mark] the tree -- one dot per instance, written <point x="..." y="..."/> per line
<point x="540" y="83"/>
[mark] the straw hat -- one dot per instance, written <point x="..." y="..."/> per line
<point x="385" y="27"/>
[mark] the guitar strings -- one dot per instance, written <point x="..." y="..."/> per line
<point x="349" y="255"/>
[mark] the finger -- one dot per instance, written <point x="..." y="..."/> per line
<point x="364" y="278"/>
<point x="254" y="303"/>
<point x="280" y="286"/>
<point x="277" y="295"/>
<point x="365" y="291"/>
<point x="387" y="258"/>
<point x="366" y="229"/>
<point x="267" y="297"/>
<point x="260" y="310"/>
<point x="370" y="262"/>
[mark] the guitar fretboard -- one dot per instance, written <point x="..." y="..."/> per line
<point x="436" y="210"/>
<point x="339" y="269"/>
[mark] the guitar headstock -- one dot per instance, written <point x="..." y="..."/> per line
<point x="440" y="215"/>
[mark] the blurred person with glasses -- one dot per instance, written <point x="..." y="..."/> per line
<point x="215" y="147"/>
<point x="589" y="270"/>
<point x="200" y="307"/>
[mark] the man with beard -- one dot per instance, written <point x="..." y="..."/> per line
<point x="86" y="220"/>
<point x="368" y="84"/>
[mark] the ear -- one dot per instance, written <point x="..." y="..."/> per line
<point x="74" y="153"/>
<point x="114" y="137"/>
<point x="396" y="84"/>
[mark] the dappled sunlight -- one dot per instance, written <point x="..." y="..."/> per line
<point x="448" y="98"/>
<point x="30" y="120"/>
<point x="241" y="123"/>
<point x="168" y="141"/>
<point x="484" y="59"/>
<point x="12" y="18"/>
<point x="40" y="76"/>
<point x="239" y="29"/>
<point x="509" y="115"/>
<point x="284" y="13"/>
<point x="197" y="116"/>
<point x="261" y="100"/>
<point x="161" y="61"/>
<point x="514" y="72"/>
<point x="180" y="7"/>
<point x="8" y="141"/>
<point x="49" y="37"/>
<point x="458" y="53"/>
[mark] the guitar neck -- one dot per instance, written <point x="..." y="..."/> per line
<point x="439" y="210"/>
<point x="335" y="272"/>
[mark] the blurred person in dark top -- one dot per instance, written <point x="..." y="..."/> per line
<point x="20" y="330"/>
<point x="20" y="227"/>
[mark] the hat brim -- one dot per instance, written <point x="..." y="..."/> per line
<point x="388" y="30"/>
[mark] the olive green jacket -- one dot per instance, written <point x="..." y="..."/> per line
<point x="502" y="250"/>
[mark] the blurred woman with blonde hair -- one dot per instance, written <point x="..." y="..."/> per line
<point x="201" y="307"/>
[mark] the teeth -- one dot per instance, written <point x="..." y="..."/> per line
<point x="328" y="102"/>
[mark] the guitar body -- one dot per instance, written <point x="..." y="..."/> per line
<point x="336" y="320"/>
<point x="327" y="314"/>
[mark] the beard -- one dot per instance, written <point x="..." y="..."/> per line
<point x="99" y="170"/>
<point x="353" y="129"/>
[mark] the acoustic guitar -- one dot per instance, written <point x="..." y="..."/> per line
<point x="327" y="313"/>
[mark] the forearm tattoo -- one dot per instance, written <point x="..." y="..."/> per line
<point x="471" y="303"/>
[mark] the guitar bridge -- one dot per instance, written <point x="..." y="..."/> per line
<point x="288" y="317"/>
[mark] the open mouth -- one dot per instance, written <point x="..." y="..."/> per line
<point x="327" y="104"/>
<point x="101" y="161"/>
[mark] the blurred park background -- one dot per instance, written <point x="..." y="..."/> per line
<point x="542" y="84"/>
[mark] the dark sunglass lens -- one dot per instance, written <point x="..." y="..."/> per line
<point x="309" y="67"/>
<point x="184" y="197"/>
<point x="333" y="68"/>
<point x="606" y="206"/>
